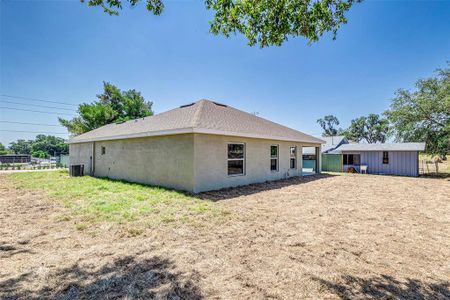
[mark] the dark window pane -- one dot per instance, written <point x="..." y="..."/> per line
<point x="293" y="163"/>
<point x="235" y="151"/>
<point x="344" y="158"/>
<point x="274" y="164"/>
<point x="235" y="167"/>
<point x="273" y="151"/>
<point x="350" y="159"/>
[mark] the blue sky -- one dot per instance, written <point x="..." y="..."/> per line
<point x="63" y="50"/>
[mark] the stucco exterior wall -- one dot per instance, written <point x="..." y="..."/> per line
<point x="190" y="162"/>
<point x="166" y="160"/>
<point x="211" y="163"/>
<point x="402" y="163"/>
<point x="81" y="154"/>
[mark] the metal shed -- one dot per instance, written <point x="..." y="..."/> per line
<point x="390" y="159"/>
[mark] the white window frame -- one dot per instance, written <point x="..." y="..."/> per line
<point x="293" y="157"/>
<point x="277" y="158"/>
<point x="236" y="159"/>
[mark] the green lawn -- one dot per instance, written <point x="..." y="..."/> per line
<point x="99" y="199"/>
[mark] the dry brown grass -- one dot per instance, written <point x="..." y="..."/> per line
<point x="350" y="236"/>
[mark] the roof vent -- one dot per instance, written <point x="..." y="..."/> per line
<point x="219" y="104"/>
<point x="187" y="105"/>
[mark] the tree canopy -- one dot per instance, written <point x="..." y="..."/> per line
<point x="328" y="124"/>
<point x="423" y="115"/>
<point x="372" y="129"/>
<point x="21" y="146"/>
<point x="264" y="22"/>
<point x="48" y="144"/>
<point x="3" y="149"/>
<point x="113" y="105"/>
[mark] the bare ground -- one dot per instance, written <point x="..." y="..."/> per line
<point x="351" y="237"/>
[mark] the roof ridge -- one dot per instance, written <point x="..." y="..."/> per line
<point x="198" y="112"/>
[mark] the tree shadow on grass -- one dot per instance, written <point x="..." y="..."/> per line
<point x="386" y="287"/>
<point x="7" y="250"/>
<point x="123" y="278"/>
<point x="246" y="190"/>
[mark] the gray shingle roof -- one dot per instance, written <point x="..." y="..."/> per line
<point x="203" y="116"/>
<point x="380" y="147"/>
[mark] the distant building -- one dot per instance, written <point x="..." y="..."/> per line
<point x="15" y="158"/>
<point x="376" y="158"/>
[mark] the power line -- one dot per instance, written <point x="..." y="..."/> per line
<point x="36" y="105"/>
<point x="37" y="111"/>
<point x="32" y="131"/>
<point x="35" y="99"/>
<point x="25" y="123"/>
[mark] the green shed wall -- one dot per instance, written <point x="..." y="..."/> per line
<point x="332" y="162"/>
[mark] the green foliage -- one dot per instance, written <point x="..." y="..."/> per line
<point x="372" y="129"/>
<point x="21" y="146"/>
<point x="49" y="144"/>
<point x="423" y="115"/>
<point x="111" y="7"/>
<point x="46" y="143"/>
<point x="263" y="22"/>
<point x="40" y="154"/>
<point x="3" y="149"/>
<point x="112" y="106"/>
<point x="328" y="124"/>
<point x="271" y="22"/>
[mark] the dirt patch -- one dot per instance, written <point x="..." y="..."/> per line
<point x="346" y="236"/>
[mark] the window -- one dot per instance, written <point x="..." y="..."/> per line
<point x="236" y="159"/>
<point x="348" y="159"/>
<point x="103" y="150"/>
<point x="293" y="157"/>
<point x="385" y="157"/>
<point x="351" y="159"/>
<point x="274" y="158"/>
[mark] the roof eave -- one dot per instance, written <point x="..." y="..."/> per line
<point x="192" y="130"/>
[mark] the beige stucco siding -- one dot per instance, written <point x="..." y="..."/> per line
<point x="190" y="162"/>
<point x="80" y="154"/>
<point x="210" y="158"/>
<point x="165" y="160"/>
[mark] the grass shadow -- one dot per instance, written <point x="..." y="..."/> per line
<point x="246" y="190"/>
<point x="7" y="251"/>
<point x="124" y="278"/>
<point x="385" y="287"/>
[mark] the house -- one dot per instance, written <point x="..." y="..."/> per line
<point x="390" y="159"/>
<point x="310" y="155"/>
<point x="197" y="147"/>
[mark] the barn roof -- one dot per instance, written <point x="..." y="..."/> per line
<point x="203" y="116"/>
<point x="380" y="147"/>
